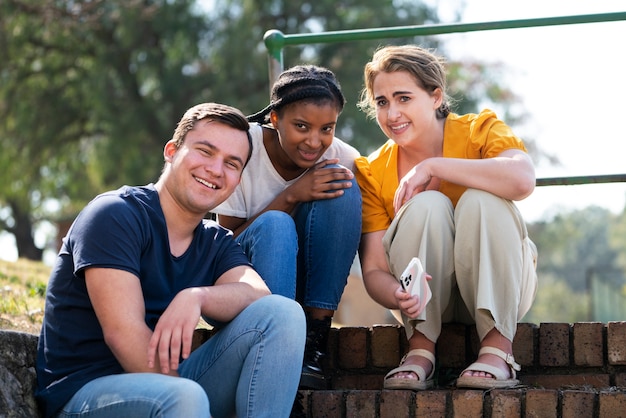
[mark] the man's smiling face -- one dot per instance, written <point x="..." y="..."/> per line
<point x="207" y="167"/>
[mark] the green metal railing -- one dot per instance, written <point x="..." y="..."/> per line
<point x="276" y="41"/>
<point x="572" y="180"/>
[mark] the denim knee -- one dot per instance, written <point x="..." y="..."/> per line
<point x="273" y="221"/>
<point x="276" y="226"/>
<point x="190" y="399"/>
<point x="138" y="394"/>
<point x="281" y="312"/>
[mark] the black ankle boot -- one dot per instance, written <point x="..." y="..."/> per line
<point x="313" y="376"/>
<point x="298" y="410"/>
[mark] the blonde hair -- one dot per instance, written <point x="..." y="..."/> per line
<point x="424" y="66"/>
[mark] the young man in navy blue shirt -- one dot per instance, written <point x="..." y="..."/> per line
<point x="137" y="270"/>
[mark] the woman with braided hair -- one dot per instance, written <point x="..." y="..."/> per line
<point x="297" y="210"/>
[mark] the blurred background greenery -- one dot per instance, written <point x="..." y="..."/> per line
<point x="90" y="90"/>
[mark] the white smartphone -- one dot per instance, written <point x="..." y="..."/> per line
<point x="413" y="281"/>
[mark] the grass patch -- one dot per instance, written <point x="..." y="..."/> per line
<point x="22" y="295"/>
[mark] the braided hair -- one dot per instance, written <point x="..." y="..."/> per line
<point x="302" y="82"/>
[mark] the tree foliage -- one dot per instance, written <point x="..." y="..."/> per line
<point x="577" y="245"/>
<point x="90" y="90"/>
<point x="580" y="253"/>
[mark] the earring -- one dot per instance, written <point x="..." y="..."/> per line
<point x="274" y="119"/>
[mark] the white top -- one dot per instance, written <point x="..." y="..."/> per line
<point x="261" y="183"/>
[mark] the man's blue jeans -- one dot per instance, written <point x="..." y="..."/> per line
<point x="307" y="257"/>
<point x="249" y="368"/>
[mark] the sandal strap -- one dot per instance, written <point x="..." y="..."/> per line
<point x="420" y="352"/>
<point x="418" y="370"/>
<point x="508" y="358"/>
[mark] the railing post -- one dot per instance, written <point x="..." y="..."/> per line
<point x="274" y="42"/>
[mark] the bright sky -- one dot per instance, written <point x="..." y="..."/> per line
<point x="571" y="80"/>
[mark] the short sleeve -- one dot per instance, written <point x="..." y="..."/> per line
<point x="490" y="136"/>
<point x="107" y="233"/>
<point x="375" y="217"/>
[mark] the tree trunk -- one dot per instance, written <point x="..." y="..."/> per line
<point x="24" y="234"/>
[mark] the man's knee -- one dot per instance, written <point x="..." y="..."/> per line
<point x="281" y="312"/>
<point x="188" y="398"/>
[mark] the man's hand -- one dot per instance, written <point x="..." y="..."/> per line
<point x="173" y="333"/>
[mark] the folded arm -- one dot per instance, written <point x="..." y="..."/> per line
<point x="318" y="183"/>
<point x="118" y="302"/>
<point x="119" y="305"/>
<point x="510" y="175"/>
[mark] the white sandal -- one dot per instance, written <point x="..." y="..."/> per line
<point x="500" y="379"/>
<point x="421" y="383"/>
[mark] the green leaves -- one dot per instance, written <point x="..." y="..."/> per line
<point x="90" y="90"/>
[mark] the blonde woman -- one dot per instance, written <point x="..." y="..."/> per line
<point x="442" y="189"/>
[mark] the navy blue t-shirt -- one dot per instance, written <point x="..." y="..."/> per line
<point x="123" y="229"/>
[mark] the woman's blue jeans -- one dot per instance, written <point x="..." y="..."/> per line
<point x="307" y="256"/>
<point x="249" y="368"/>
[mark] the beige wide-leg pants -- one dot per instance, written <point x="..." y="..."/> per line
<point x="482" y="263"/>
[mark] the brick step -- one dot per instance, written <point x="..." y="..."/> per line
<point x="443" y="403"/>
<point x="552" y="355"/>
<point x="568" y="370"/>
